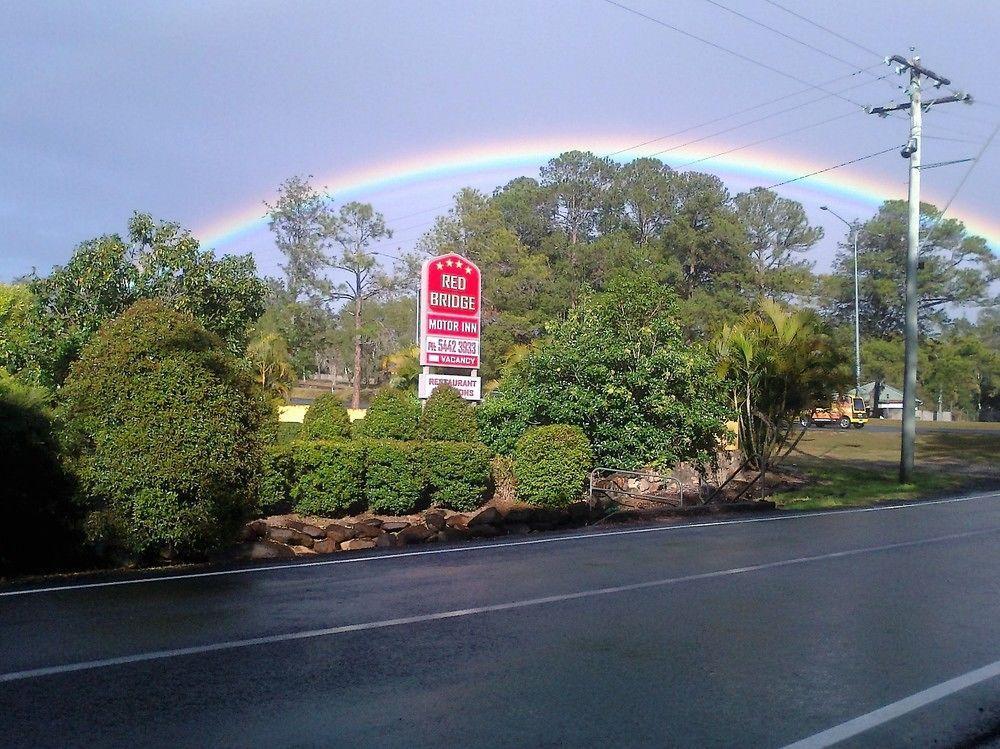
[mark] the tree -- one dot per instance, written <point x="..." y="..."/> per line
<point x="267" y="353"/>
<point x="778" y="233"/>
<point x="165" y="430"/>
<point x="578" y="182"/>
<point x="619" y="368"/>
<point x="157" y="260"/>
<point x="956" y="268"/>
<point x="777" y="364"/>
<point x="524" y="209"/>
<point x="16" y="311"/>
<point x="301" y="223"/>
<point x="642" y="199"/>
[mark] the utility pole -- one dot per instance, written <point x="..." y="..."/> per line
<point x="911" y="151"/>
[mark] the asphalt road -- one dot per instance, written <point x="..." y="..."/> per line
<point x="881" y="628"/>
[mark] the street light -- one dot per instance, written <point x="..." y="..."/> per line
<point x="857" y="317"/>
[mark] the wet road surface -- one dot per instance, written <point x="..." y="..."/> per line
<point x="877" y="628"/>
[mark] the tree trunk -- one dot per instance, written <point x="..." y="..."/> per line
<point x="356" y="394"/>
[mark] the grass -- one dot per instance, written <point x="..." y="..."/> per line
<point x="860" y="467"/>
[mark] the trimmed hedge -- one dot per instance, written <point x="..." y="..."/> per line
<point x="287" y="431"/>
<point x="458" y="473"/>
<point x="326" y="419"/>
<point x="276" y="479"/>
<point x="394" y="477"/>
<point x="392" y="415"/>
<point x="551" y="464"/>
<point x="448" y="416"/>
<point x="329" y="477"/>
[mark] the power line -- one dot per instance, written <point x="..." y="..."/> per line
<point x="831" y="168"/>
<point x="743" y="111"/>
<point x="811" y="22"/>
<point x="727" y="50"/>
<point x="781" y="33"/>
<point x="769" y="138"/>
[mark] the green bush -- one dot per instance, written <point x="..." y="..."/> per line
<point x="326" y="419"/>
<point x="448" y="416"/>
<point x="165" y="430"/>
<point x="287" y="431"/>
<point x="551" y="464"/>
<point x="36" y="492"/>
<point x="458" y="473"/>
<point x="394" y="479"/>
<point x="392" y="415"/>
<point x="501" y="421"/>
<point x="328" y="477"/>
<point x="276" y="479"/>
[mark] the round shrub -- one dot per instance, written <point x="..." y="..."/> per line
<point x="165" y="430"/>
<point x="458" y="473"/>
<point x="448" y="416"/>
<point x="326" y="419"/>
<point x="328" y="477"/>
<point x="500" y="421"/>
<point x="551" y="464"/>
<point x="394" y="479"/>
<point x="392" y="415"/>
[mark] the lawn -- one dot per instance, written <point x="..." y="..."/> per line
<point x="859" y="467"/>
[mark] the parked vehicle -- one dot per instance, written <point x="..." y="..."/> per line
<point x="844" y="411"/>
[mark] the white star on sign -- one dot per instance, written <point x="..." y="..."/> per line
<point x="458" y="263"/>
<point x="468" y="269"/>
<point x="449" y="263"/>
<point x="440" y="266"/>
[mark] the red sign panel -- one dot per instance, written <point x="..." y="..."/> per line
<point x="450" y="310"/>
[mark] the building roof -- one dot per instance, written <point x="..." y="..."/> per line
<point x="889" y="394"/>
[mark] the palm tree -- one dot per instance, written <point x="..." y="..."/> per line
<point x="268" y="353"/>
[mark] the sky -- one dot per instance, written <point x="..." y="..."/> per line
<point x="196" y="111"/>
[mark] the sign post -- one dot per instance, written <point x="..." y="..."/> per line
<point x="450" y="320"/>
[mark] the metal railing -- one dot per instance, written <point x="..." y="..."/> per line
<point x="595" y="476"/>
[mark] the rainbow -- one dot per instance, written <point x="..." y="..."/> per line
<point x="751" y="166"/>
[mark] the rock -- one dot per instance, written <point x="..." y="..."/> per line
<point x="434" y="519"/>
<point x="519" y="515"/>
<point x="325" y="546"/>
<point x="486" y="516"/>
<point x="313" y="531"/>
<point x="518" y="528"/>
<point x="258" y="550"/>
<point x="414" y="534"/>
<point x="484" y="530"/>
<point x="339" y="533"/>
<point x="367" y="530"/>
<point x="248" y="533"/>
<point x="453" y="534"/>
<point x="289" y="536"/>
<point x="456" y="521"/>
<point x="385" y="540"/>
<point x="579" y="510"/>
<point x="357" y="543"/>
<point x="392" y="526"/>
<point x="374" y="521"/>
<point x="302" y="551"/>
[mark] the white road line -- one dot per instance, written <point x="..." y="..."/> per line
<point x="456" y="613"/>
<point x="863" y="723"/>
<point x="499" y="545"/>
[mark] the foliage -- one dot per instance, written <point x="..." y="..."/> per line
<point x="36" y="490"/>
<point x="403" y="368"/>
<point x="458" y="473"/>
<point x="551" y="464"/>
<point x="619" y="368"/>
<point x="326" y="419"/>
<point x="394" y="479"/>
<point x="268" y="354"/>
<point x="16" y="311"/>
<point x="277" y="478"/>
<point x="393" y="415"/>
<point x="955" y="268"/>
<point x="165" y="430"/>
<point x="157" y="260"/>
<point x="501" y="420"/>
<point x="287" y="431"/>
<point x="329" y="477"/>
<point x="777" y="365"/>
<point x="448" y="416"/>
